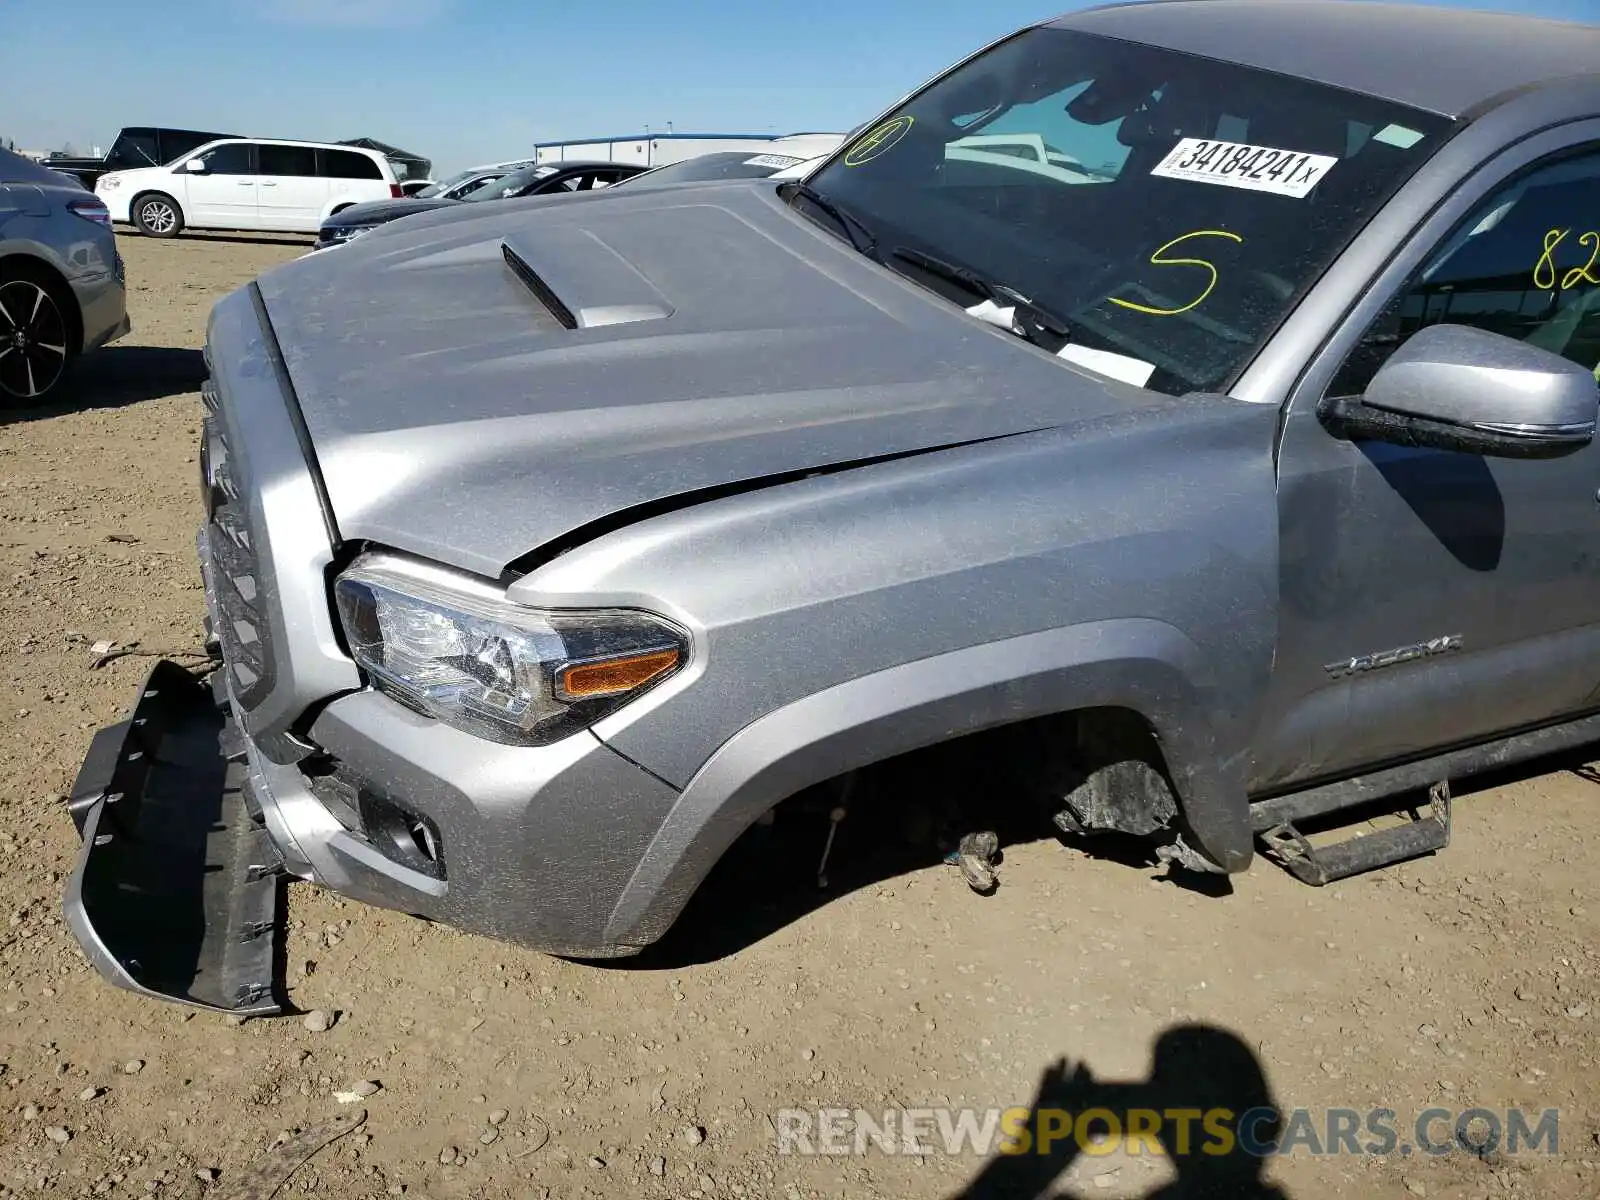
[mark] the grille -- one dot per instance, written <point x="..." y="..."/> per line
<point x="228" y="559"/>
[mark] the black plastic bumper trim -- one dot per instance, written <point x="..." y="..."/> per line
<point x="177" y="891"/>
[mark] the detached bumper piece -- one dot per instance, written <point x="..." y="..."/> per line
<point x="1322" y="865"/>
<point x="177" y="891"/>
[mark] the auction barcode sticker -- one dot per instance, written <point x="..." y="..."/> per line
<point x="1234" y="164"/>
<point x="772" y="160"/>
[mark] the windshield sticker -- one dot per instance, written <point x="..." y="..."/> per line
<point x="1240" y="165"/>
<point x="1159" y="259"/>
<point x="1397" y="135"/>
<point x="1118" y="366"/>
<point x="879" y="141"/>
<point x="772" y="160"/>
<point x="1545" y="276"/>
<point x="993" y="314"/>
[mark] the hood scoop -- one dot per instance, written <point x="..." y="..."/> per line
<point x="581" y="280"/>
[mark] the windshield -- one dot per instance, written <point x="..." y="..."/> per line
<point x="511" y="185"/>
<point x="1165" y="210"/>
<point x="444" y="185"/>
<point x="707" y="167"/>
<point x="406" y="169"/>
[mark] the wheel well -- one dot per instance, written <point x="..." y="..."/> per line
<point x="26" y="266"/>
<point x="148" y="192"/>
<point x="1089" y="771"/>
<point x="1086" y="771"/>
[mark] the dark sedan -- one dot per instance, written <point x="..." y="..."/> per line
<point x="540" y="180"/>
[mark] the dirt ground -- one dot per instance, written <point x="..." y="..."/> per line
<point x="1462" y="981"/>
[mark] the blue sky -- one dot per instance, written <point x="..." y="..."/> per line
<point x="468" y="81"/>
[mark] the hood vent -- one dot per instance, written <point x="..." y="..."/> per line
<point x="583" y="281"/>
<point x="536" y="284"/>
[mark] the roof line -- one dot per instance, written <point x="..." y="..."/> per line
<point x="662" y="137"/>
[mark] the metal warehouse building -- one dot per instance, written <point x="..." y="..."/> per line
<point x="651" y="149"/>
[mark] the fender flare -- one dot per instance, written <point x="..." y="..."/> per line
<point x="1145" y="665"/>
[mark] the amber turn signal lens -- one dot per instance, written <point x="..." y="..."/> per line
<point x="591" y="681"/>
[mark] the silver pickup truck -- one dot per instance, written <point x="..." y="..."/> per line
<point x="1230" y="467"/>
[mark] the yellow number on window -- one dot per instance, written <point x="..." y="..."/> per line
<point x="1159" y="259"/>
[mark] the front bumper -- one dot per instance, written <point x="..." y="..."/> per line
<point x="533" y="845"/>
<point x="176" y="891"/>
<point x="188" y="825"/>
<point x="118" y="200"/>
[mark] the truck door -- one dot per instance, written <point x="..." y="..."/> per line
<point x="1432" y="598"/>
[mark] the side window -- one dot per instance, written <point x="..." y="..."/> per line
<point x="136" y="148"/>
<point x="1524" y="264"/>
<point x="347" y="164"/>
<point x="286" y="160"/>
<point x="230" y="158"/>
<point x="175" y="143"/>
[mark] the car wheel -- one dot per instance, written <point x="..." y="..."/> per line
<point x="156" y="215"/>
<point x="35" y="336"/>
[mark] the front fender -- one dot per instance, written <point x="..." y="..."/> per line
<point x="1145" y="665"/>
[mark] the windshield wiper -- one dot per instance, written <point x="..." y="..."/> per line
<point x="999" y="294"/>
<point x="859" y="233"/>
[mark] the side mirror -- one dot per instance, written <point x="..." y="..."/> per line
<point x="1457" y="387"/>
<point x="196" y="166"/>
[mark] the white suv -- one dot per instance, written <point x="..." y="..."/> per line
<point x="248" y="183"/>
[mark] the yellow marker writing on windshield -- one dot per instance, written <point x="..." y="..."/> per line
<point x="1159" y="260"/>
<point x="1544" y="271"/>
<point x="878" y="141"/>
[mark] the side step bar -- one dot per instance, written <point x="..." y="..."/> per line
<point x="1273" y="817"/>
<point x="177" y="892"/>
<point x="1321" y="865"/>
<point x="1325" y="798"/>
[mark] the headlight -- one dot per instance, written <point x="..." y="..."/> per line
<point x="109" y="183"/>
<point x="456" y="650"/>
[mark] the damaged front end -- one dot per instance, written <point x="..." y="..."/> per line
<point x="177" y="891"/>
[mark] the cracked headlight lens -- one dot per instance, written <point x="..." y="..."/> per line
<point x="453" y="648"/>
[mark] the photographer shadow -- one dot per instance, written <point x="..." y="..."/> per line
<point x="1196" y="1069"/>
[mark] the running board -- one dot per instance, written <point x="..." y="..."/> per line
<point x="1321" y="865"/>
<point x="1322" y="799"/>
<point x="177" y="890"/>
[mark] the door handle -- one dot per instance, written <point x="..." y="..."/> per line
<point x="247" y="183"/>
<point x="269" y="185"/>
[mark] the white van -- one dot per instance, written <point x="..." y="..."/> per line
<point x="248" y="183"/>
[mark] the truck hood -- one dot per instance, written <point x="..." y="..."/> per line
<point x="376" y="212"/>
<point x="484" y="382"/>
